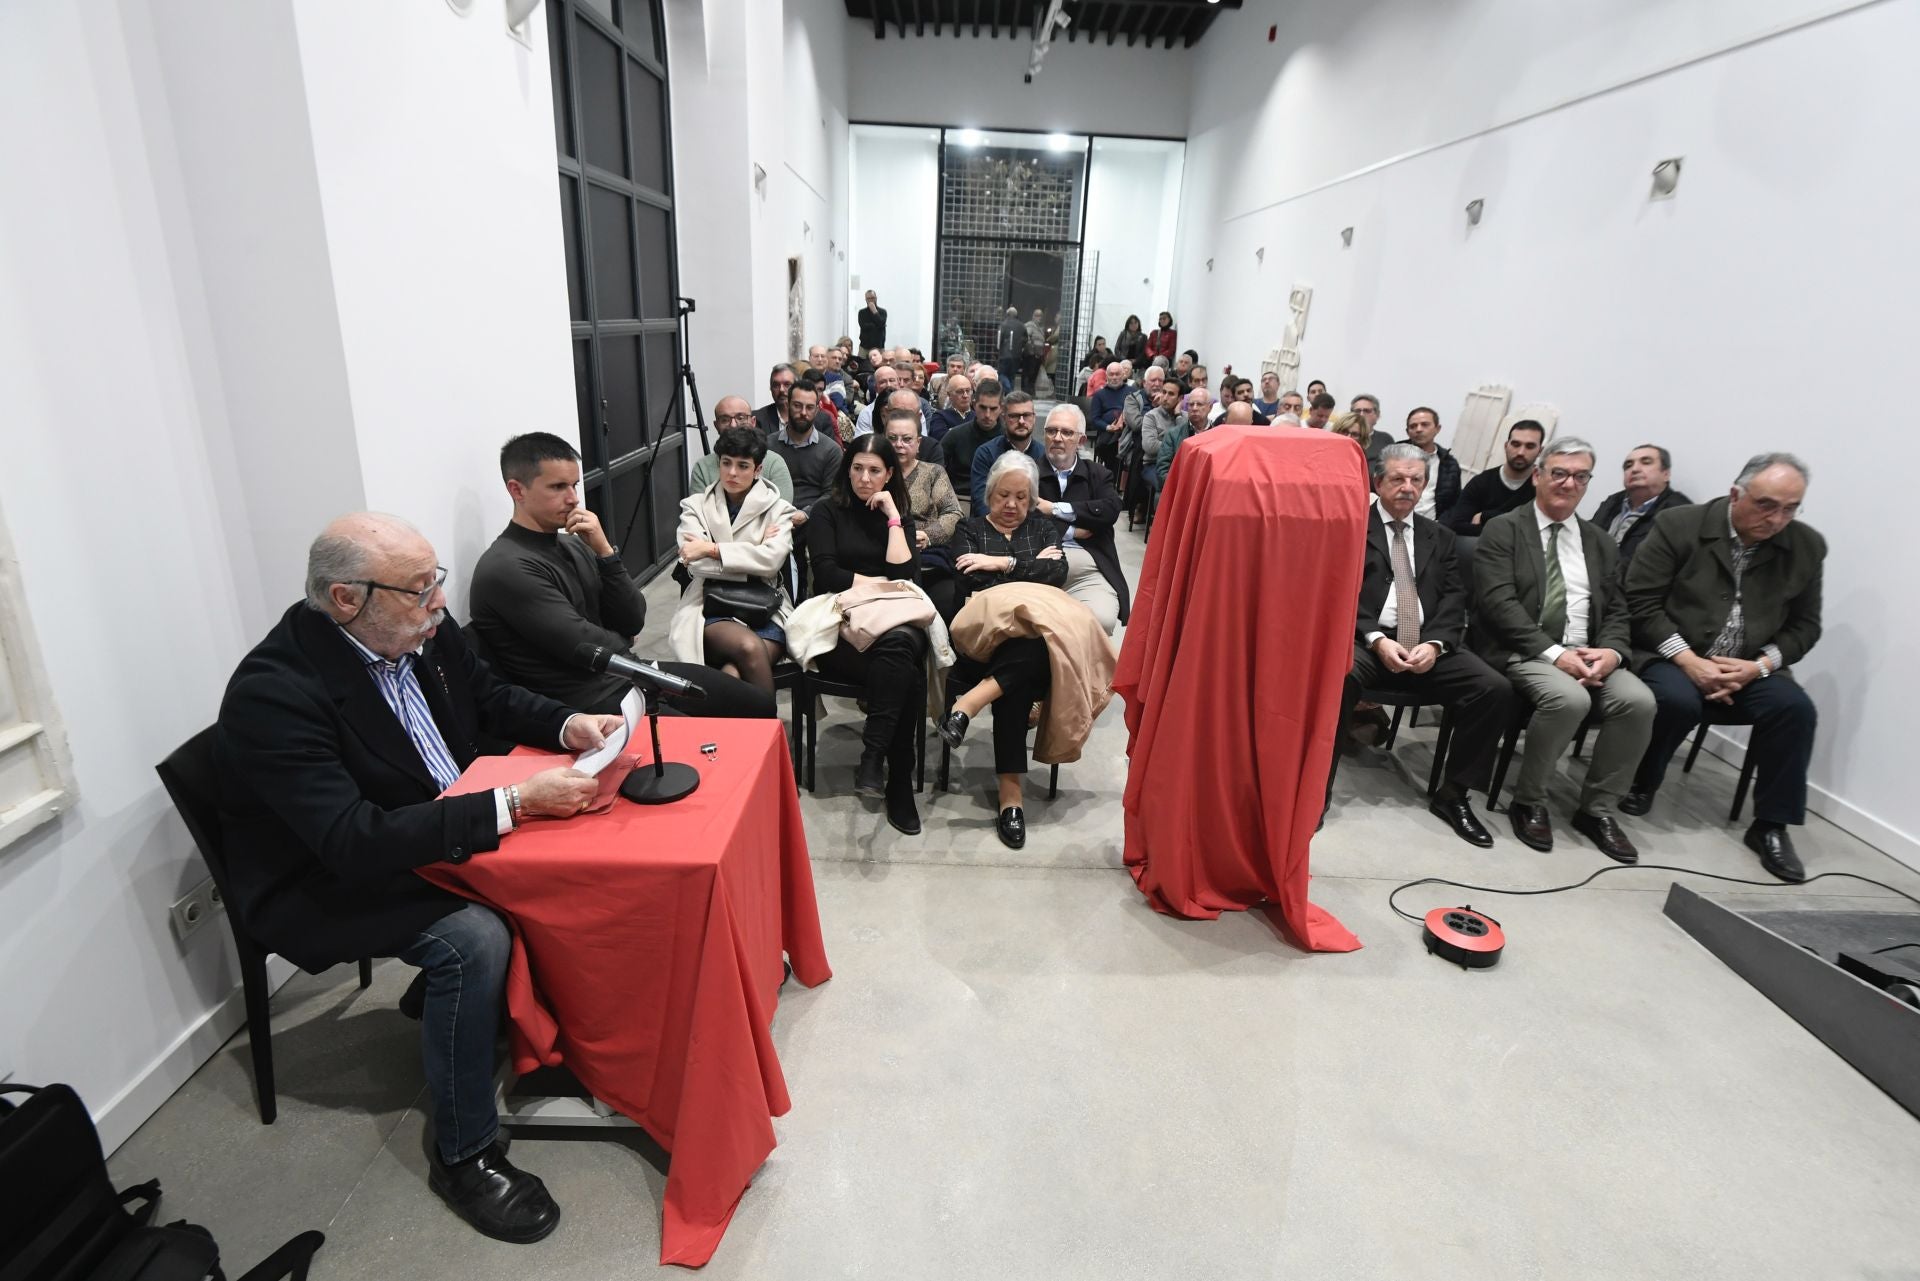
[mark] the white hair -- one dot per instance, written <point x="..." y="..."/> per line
<point x="1013" y="461"/>
<point x="1760" y="462"/>
<point x="1072" y="413"/>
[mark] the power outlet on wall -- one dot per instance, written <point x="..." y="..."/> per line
<point x="195" y="910"/>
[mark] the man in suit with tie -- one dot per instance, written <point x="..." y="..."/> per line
<point x="337" y="736"/>
<point x="1725" y="599"/>
<point x="1549" y="612"/>
<point x="1409" y="630"/>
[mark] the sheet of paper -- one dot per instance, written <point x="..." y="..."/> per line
<point x="631" y="710"/>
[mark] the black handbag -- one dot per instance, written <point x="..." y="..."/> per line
<point x="750" y="602"/>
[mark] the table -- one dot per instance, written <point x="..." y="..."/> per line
<point x="647" y="954"/>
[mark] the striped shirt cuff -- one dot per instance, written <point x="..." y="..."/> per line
<point x="1672" y="646"/>
<point x="1773" y="656"/>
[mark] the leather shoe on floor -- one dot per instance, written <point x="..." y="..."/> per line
<point x="1531" y="825"/>
<point x="902" y="813"/>
<point x="1603" y="831"/>
<point x="870" y="779"/>
<point x="1775" y="849"/>
<point x="499" y="1200"/>
<point x="1458" y="815"/>
<point x="1636" y="803"/>
<point x="953" y="727"/>
<point x="1013" y="827"/>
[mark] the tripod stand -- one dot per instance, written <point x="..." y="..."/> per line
<point x="684" y="384"/>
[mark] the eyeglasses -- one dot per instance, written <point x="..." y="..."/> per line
<point x="733" y="420"/>
<point x="1061" y="433"/>
<point x="1020" y="416"/>
<point x="1560" y="476"/>
<point x="1774" y="507"/>
<point x="421" y="595"/>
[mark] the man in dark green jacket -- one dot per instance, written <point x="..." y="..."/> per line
<point x="1725" y="597"/>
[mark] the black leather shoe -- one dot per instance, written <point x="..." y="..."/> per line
<point x="1603" y="831"/>
<point x="413" y="1001"/>
<point x="1775" y="849"/>
<point x="499" y="1200"/>
<point x="1013" y="827"/>
<point x="1458" y="814"/>
<point x="902" y="813"/>
<point x="953" y="727"/>
<point x="1636" y="803"/>
<point x="1531" y="825"/>
<point x="870" y="778"/>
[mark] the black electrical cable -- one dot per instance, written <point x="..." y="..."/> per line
<point x="1895" y="948"/>
<point x="1637" y="867"/>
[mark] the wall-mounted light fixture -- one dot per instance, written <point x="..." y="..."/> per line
<point x="1473" y="212"/>
<point x="1346" y="237"/>
<point x="1209" y="264"/>
<point x="1666" y="177"/>
<point x="759" y="179"/>
<point x="518" y="25"/>
<point x="1260" y="254"/>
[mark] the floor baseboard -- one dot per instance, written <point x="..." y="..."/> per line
<point x="1845" y="815"/>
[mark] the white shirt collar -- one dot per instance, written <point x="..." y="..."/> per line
<point x="1572" y="522"/>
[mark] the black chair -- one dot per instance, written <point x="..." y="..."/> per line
<point x="1522" y="715"/>
<point x="192" y="781"/>
<point x="946" y="763"/>
<point x="788" y="676"/>
<point x="811" y="685"/>
<point x="1715" y="714"/>
<point x="1463" y="547"/>
<point x="1402" y="703"/>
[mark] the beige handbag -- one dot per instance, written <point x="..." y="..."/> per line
<point x="871" y="610"/>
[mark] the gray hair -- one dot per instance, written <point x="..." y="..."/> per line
<point x="1014" y="461"/>
<point x="1562" y="446"/>
<point x="334" y="558"/>
<point x="1402" y="451"/>
<point x="1071" y="412"/>
<point x="1760" y="462"/>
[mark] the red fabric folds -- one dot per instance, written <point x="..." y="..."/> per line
<point x="1241" y="638"/>
<point x="647" y="948"/>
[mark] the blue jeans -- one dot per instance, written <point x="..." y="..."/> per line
<point x="464" y="955"/>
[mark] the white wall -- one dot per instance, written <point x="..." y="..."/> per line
<point x="1133" y="201"/>
<point x="813" y="173"/>
<point x="895" y="209"/>
<point x="964" y="81"/>
<point x="1783" y="263"/>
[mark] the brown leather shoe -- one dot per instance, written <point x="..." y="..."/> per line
<point x="1603" y="831"/>
<point x="1531" y="825"/>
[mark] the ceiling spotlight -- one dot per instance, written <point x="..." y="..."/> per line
<point x="1666" y="177"/>
<point x="971" y="137"/>
<point x="1473" y="212"/>
<point x="1058" y="142"/>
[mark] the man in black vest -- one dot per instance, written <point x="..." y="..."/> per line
<point x="1078" y="494"/>
<point x="338" y="733"/>
<point x="1409" y="630"/>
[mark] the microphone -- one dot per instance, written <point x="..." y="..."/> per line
<point x="598" y="658"/>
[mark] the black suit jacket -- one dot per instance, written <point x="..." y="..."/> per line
<point x="326" y="806"/>
<point x="1610" y="511"/>
<point x="1510" y="582"/>
<point x="1096" y="506"/>
<point x="769" y="418"/>
<point x="1436" y="575"/>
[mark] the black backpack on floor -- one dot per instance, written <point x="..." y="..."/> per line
<point x="61" y="1220"/>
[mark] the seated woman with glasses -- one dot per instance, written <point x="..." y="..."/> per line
<point x="861" y="531"/>
<point x="1009" y="543"/>
<point x="734" y="411"/>
<point x="735" y="536"/>
<point x="930" y="498"/>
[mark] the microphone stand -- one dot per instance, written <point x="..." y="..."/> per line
<point x="668" y="780"/>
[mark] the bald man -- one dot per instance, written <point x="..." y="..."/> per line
<point x="734" y="411"/>
<point x="1239" y="414"/>
<point x="337" y="736"/>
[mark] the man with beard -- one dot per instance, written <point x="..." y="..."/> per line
<point x="1018" y="414"/>
<point x="958" y="446"/>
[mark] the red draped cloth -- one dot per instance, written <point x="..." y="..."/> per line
<point x="647" y="946"/>
<point x="1241" y="639"/>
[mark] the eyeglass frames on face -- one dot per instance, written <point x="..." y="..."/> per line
<point x="1560" y="476"/>
<point x="421" y="595"/>
<point x="733" y="420"/>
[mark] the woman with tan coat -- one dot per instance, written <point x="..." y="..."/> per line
<point x="737" y="531"/>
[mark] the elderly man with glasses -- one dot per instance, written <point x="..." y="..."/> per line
<point x="1725" y="599"/>
<point x="1079" y="495"/>
<point x="1550" y="614"/>
<point x="732" y="411"/>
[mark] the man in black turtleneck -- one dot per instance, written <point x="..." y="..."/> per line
<point x="552" y="582"/>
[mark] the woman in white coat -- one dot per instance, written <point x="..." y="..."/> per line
<point x="738" y="530"/>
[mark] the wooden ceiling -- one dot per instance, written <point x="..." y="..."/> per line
<point x="1171" y="22"/>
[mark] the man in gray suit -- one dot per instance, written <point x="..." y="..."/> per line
<point x="1550" y="613"/>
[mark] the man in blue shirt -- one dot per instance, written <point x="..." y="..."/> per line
<point x="1018" y="434"/>
<point x="959" y="393"/>
<point x="1106" y="416"/>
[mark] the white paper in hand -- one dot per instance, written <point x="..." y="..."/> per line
<point x="604" y="755"/>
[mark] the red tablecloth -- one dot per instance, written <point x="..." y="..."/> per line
<point x="1241" y="639"/>
<point x="647" y="955"/>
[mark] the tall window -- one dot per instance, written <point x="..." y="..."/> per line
<point x="616" y="202"/>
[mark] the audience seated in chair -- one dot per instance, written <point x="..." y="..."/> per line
<point x="1017" y="434"/>
<point x="1410" y="632"/>
<point x="739" y="531"/>
<point x="1423" y="430"/>
<point x="964" y="439"/>
<point x="779" y="382"/>
<point x="931" y="501"/>
<point x="1726" y="599"/>
<point x="732" y="411"/>
<point x="337" y="734"/>
<point x="552" y="582"/>
<point x="1627" y="515"/>
<point x="1498" y="490"/>
<point x="863" y="531"/>
<point x="1368" y="407"/>
<point x="1198" y="402"/>
<point x="1077" y="494"/>
<point x="1548" y="612"/>
<point x="1010" y="542"/>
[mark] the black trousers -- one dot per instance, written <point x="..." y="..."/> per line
<point x="1480" y="699"/>
<point x="1025" y="676"/>
<point x="1783" y="719"/>
<point x="893" y="673"/>
<point x="727" y="696"/>
<point x="1029" y="372"/>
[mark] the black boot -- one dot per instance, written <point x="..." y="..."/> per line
<point x="870" y="779"/>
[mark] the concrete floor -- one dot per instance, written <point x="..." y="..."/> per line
<point x="1020" y="1071"/>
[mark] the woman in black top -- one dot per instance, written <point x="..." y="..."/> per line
<point x="862" y="531"/>
<point x="1009" y="543"/>
<point x="1132" y="345"/>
